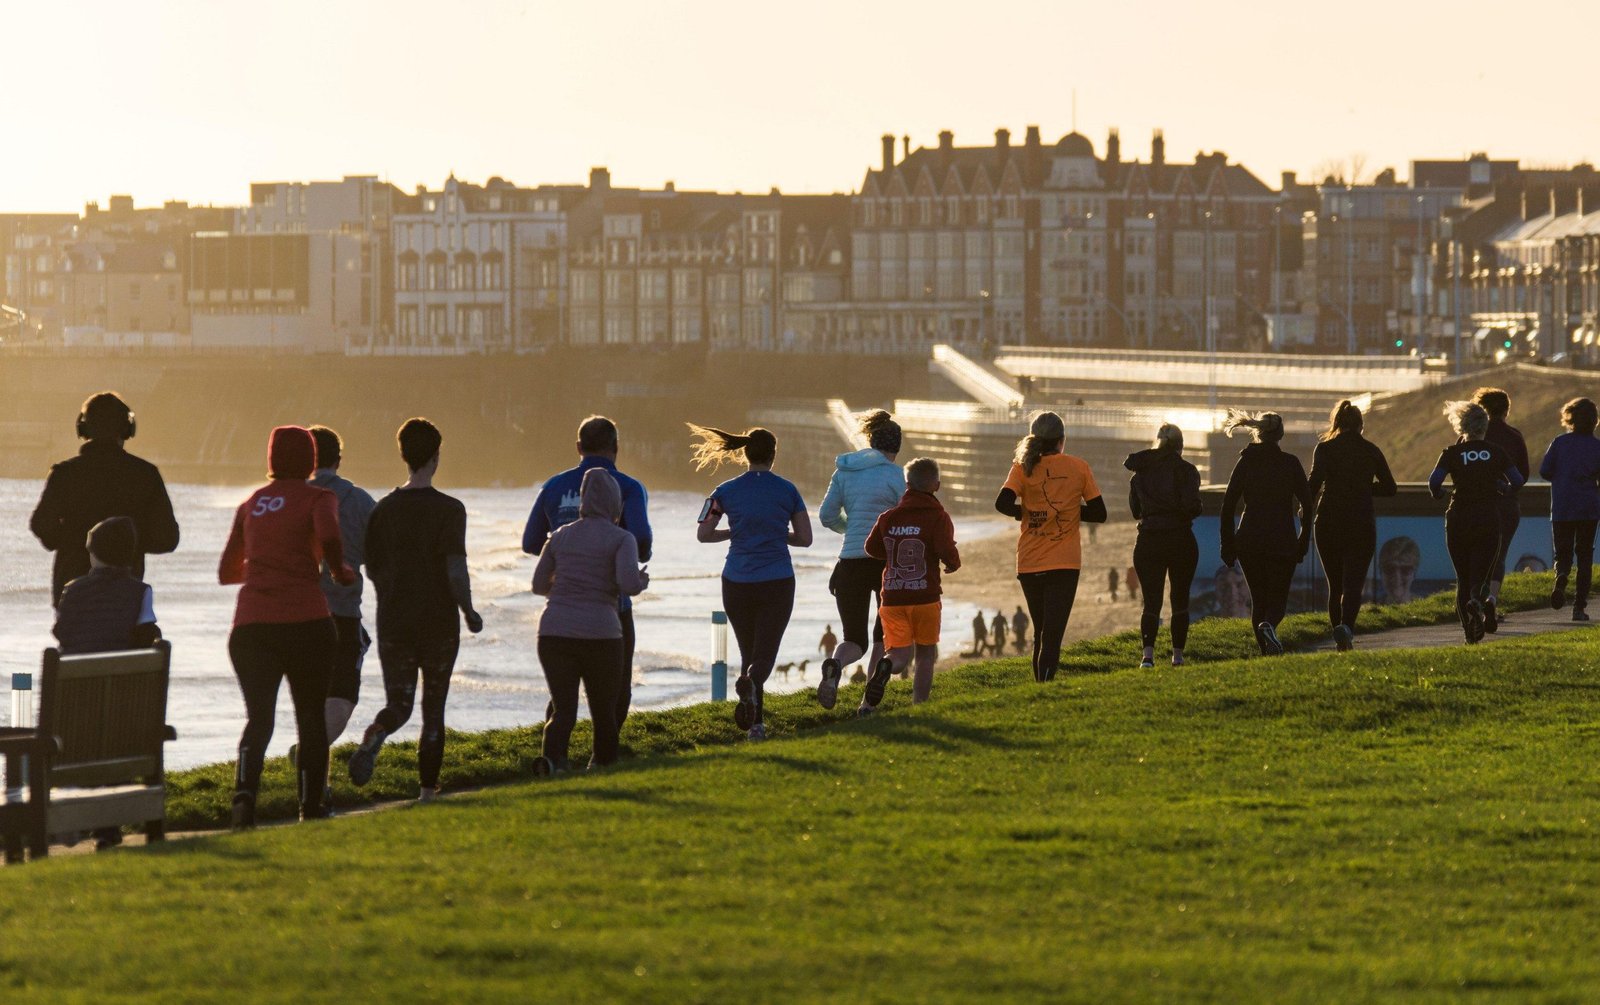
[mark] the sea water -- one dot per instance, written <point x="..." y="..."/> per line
<point x="497" y="681"/>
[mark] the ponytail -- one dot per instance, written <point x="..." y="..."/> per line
<point x="1467" y="418"/>
<point x="881" y="431"/>
<point x="1045" y="434"/>
<point x="1345" y="418"/>
<point x="717" y="446"/>
<point x="1266" y="427"/>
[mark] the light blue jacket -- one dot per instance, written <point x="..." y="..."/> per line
<point x="865" y="484"/>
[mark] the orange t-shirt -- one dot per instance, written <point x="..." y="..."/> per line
<point x="1050" y="498"/>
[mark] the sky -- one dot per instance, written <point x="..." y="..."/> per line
<point x="195" y="99"/>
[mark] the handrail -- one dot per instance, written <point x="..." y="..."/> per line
<point x="974" y="378"/>
<point x="844" y="422"/>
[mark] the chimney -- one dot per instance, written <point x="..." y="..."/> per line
<point x="888" y="151"/>
<point x="1002" y="139"/>
<point x="947" y="141"/>
<point x="599" y="179"/>
<point x="1032" y="142"/>
<point x="905" y="145"/>
<point x="1288" y="182"/>
<point x="1114" y="147"/>
<point x="1158" y="149"/>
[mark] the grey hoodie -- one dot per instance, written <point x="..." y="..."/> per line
<point x="587" y="564"/>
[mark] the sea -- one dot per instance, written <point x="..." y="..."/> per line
<point x="497" y="682"/>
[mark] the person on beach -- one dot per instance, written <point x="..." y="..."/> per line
<point x="865" y="483"/>
<point x="416" y="552"/>
<point x="1482" y="474"/>
<point x="344" y="601"/>
<point x="829" y="640"/>
<point x="913" y="540"/>
<point x="1164" y="496"/>
<point x="559" y="503"/>
<point x="1347" y="472"/>
<point x="282" y="535"/>
<point x="1271" y="484"/>
<point x="1019" y="629"/>
<point x="1572" y="467"/>
<point x="1508" y="438"/>
<point x="1051" y="494"/>
<point x="1111" y="584"/>
<point x="1130" y="579"/>
<point x="766" y="517"/>
<point x="997" y="634"/>
<point x="103" y="481"/>
<point x="980" y="634"/>
<point x="584" y="568"/>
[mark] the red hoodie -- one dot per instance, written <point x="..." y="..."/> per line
<point x="914" y="539"/>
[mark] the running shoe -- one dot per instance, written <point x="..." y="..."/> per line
<point x="294" y="755"/>
<point x="877" y="682"/>
<point x="544" y="767"/>
<point x="364" y="759"/>
<point x="744" y="713"/>
<point x="244" y="811"/>
<point x="1147" y="663"/>
<point x="757" y="732"/>
<point x="1343" y="638"/>
<point x="1177" y="658"/>
<point x="428" y="795"/>
<point x="1270" y="646"/>
<point x="1558" y="596"/>
<point x="864" y="710"/>
<point x="1579" y="614"/>
<point x="1491" y="616"/>
<point x="1474" y="626"/>
<point x="828" y="690"/>
<point x="322" y="812"/>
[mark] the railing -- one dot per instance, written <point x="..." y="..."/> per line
<point x="1099" y="422"/>
<point x="1333" y="374"/>
<point x="844" y="421"/>
<point x="974" y="378"/>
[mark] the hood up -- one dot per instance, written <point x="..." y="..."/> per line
<point x="600" y="496"/>
<point x="291" y="453"/>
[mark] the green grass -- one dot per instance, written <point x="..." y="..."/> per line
<point x="200" y="798"/>
<point x="1382" y="825"/>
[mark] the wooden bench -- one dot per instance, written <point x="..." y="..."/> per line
<point x="96" y="759"/>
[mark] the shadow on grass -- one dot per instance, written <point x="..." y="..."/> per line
<point x="941" y="733"/>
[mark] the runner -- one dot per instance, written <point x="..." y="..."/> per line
<point x="1347" y="471"/>
<point x="103" y="481"/>
<point x="1270" y="483"/>
<point x="766" y="517"/>
<point x="864" y="485"/>
<point x="417" y="557"/>
<point x="913" y="540"/>
<point x="281" y="536"/>
<point x="1508" y="438"/>
<point x="1482" y="474"/>
<point x="585" y="567"/>
<point x="1572" y="467"/>
<point x="558" y="504"/>
<point x="344" y="602"/>
<point x="1164" y="495"/>
<point x="1051" y="494"/>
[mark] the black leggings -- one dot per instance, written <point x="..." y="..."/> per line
<point x="1269" y="578"/>
<point x="1509" y="514"/>
<point x="348" y="651"/>
<point x="1571" y="536"/>
<point x="759" y="614"/>
<point x="1050" y="595"/>
<point x="1160" y="555"/>
<point x="1473" y="537"/>
<point x="856" y="583"/>
<point x="1346" y="549"/>
<point x="263" y="655"/>
<point x="596" y="664"/>
<point x="624" y="683"/>
<point x="402" y="660"/>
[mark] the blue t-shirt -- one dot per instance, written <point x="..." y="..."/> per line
<point x="759" y="506"/>
<point x="1572" y="466"/>
<point x="557" y="506"/>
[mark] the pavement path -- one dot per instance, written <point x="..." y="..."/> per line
<point x="1515" y="625"/>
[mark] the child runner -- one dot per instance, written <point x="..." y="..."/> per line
<point x="912" y="540"/>
<point x="417" y="554"/>
<point x="1347" y="471"/>
<point x="1572" y="467"/>
<point x="1164" y="495"/>
<point x="766" y="517"/>
<point x="1482" y="474"/>
<point x="864" y="485"/>
<point x="1508" y="438"/>
<point x="1051" y="494"/>
<point x="1271" y="484"/>
<point x="281" y="536"/>
<point x="344" y="602"/>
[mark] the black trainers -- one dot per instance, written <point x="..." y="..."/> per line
<point x="828" y="690"/>
<point x="1270" y="646"/>
<point x="1579" y="614"/>
<point x="544" y="767"/>
<point x="1474" y="625"/>
<point x="877" y="681"/>
<point x="364" y="759"/>
<point x="320" y="812"/>
<point x="244" y="811"/>
<point x="744" y="713"/>
<point x="1343" y="638"/>
<point x="1491" y="616"/>
<point x="1558" y="596"/>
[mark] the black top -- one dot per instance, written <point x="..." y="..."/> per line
<point x="1509" y="438"/>
<point x="1270" y="483"/>
<point x="410" y="538"/>
<point x="1164" y="493"/>
<point x="1481" y="473"/>
<point x="100" y="611"/>
<point x="102" y="481"/>
<point x="1346" y="472"/>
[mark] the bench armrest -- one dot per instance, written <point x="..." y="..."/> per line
<point x="15" y="741"/>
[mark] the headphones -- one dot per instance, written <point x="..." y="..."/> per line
<point x="82" y="424"/>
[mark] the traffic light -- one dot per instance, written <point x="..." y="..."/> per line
<point x="1399" y="343"/>
<point x="1506" y="343"/>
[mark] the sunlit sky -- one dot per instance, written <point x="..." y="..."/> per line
<point x="194" y="99"/>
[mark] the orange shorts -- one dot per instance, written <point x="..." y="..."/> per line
<point x="917" y="624"/>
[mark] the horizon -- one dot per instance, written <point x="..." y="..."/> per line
<point x="699" y="95"/>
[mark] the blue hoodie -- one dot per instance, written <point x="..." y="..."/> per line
<point x="865" y="485"/>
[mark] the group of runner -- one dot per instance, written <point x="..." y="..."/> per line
<point x="298" y="544"/>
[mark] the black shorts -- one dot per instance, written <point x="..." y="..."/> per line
<point x="348" y="654"/>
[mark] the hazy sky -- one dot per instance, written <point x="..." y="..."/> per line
<point x="194" y="99"/>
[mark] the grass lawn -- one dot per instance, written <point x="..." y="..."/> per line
<point x="1382" y="825"/>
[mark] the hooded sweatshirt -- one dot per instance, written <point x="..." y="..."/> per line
<point x="1164" y="493"/>
<point x="587" y="565"/>
<point x="914" y="539"/>
<point x="864" y="484"/>
<point x="1270" y="483"/>
<point x="280" y="537"/>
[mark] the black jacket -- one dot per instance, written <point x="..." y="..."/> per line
<point x="1164" y="493"/>
<point x="100" y="611"/>
<point x="1270" y="483"/>
<point x="1346" y="472"/>
<point x="102" y="481"/>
